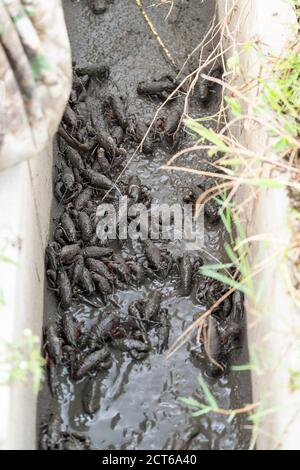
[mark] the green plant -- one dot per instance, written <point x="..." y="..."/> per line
<point x="22" y="362"/>
<point x="269" y="103"/>
<point x="211" y="404"/>
<point x="294" y="380"/>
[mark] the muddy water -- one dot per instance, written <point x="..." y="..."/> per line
<point x="139" y="406"/>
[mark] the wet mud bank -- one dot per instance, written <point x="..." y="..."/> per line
<point x="112" y="309"/>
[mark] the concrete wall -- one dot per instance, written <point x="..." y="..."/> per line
<point x="25" y="199"/>
<point x="274" y="323"/>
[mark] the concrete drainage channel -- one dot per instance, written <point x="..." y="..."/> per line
<point x="131" y="400"/>
<point x="138" y="406"/>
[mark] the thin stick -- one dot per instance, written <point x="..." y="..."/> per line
<point x="156" y="35"/>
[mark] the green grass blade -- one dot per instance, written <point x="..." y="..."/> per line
<point x="226" y="280"/>
<point x="207" y="134"/>
<point x="205" y="410"/>
<point x="208" y="395"/>
<point x="190" y="402"/>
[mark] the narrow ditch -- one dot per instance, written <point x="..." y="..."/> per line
<point x="126" y="395"/>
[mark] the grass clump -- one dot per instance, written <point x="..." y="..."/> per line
<point x="269" y="105"/>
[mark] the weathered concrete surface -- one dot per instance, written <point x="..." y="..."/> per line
<point x="25" y="200"/>
<point x="273" y="324"/>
